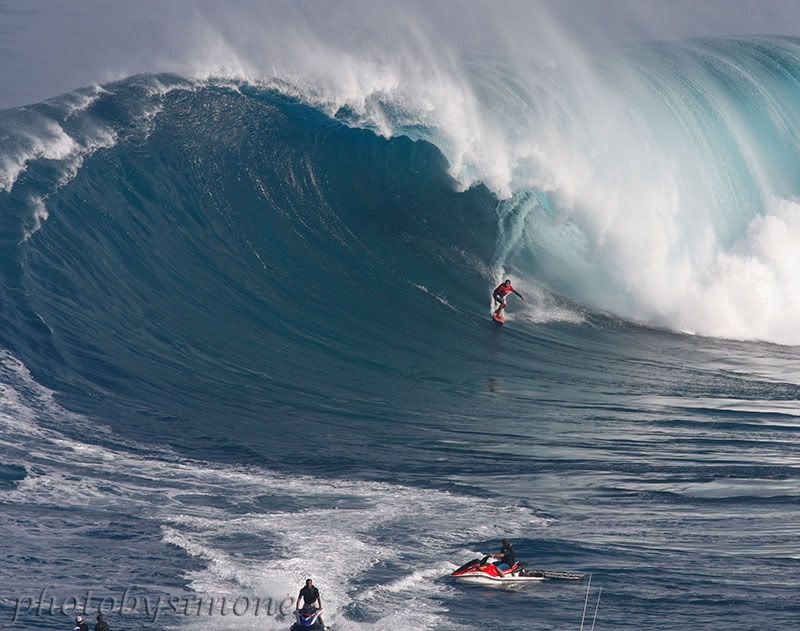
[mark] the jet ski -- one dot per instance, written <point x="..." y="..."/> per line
<point x="307" y="619"/>
<point x="485" y="572"/>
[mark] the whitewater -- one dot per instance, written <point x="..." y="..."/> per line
<point x="245" y="334"/>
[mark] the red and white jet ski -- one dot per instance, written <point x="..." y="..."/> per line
<point x="485" y="572"/>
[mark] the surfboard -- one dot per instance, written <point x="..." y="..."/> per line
<point x="498" y="318"/>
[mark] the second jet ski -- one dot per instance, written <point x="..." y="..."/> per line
<point x="485" y="572"/>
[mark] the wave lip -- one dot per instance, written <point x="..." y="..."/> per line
<point x="50" y="143"/>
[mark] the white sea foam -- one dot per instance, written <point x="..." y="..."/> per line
<point x="39" y="215"/>
<point x="50" y="142"/>
<point x="100" y="138"/>
<point x="71" y="155"/>
<point x="79" y="100"/>
<point x="751" y="290"/>
<point x="541" y="307"/>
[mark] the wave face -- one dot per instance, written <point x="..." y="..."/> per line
<point x="236" y="236"/>
<point x="235" y="295"/>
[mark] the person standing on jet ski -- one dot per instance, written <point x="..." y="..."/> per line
<point x="311" y="598"/>
<point x="507" y="557"/>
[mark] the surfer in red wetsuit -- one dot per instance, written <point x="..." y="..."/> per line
<point x="499" y="295"/>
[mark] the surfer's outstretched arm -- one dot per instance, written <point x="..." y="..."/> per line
<point x="518" y="294"/>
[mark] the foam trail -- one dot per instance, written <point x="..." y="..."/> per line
<point x="438" y="298"/>
<point x="200" y="506"/>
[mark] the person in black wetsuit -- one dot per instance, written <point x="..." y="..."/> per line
<point x="80" y="624"/>
<point x="507" y="556"/>
<point x="101" y="625"/>
<point x="311" y="598"/>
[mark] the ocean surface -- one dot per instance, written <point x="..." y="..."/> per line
<point x="245" y="339"/>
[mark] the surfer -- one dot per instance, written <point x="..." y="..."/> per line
<point x="499" y="295"/>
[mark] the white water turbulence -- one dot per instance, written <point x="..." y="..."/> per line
<point x="666" y="194"/>
<point x="202" y="508"/>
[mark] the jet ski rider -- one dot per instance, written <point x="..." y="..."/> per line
<point x="311" y="599"/>
<point x="507" y="557"/>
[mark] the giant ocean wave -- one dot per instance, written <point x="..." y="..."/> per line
<point x="658" y="186"/>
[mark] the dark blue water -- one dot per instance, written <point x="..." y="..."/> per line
<point x="245" y="343"/>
